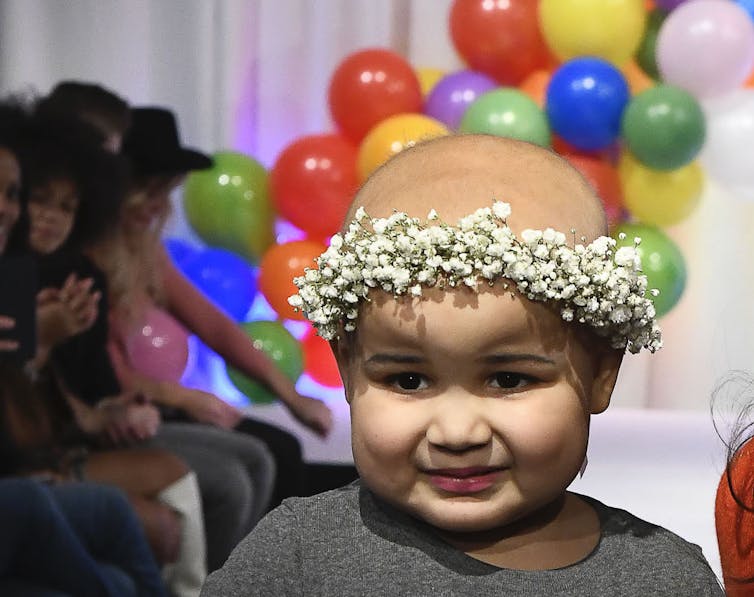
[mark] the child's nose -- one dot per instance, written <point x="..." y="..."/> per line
<point x="459" y="423"/>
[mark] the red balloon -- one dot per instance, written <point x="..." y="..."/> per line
<point x="500" y="38"/>
<point x="606" y="182"/>
<point x="369" y="86"/>
<point x="319" y="361"/>
<point x="313" y="181"/>
<point x="279" y="265"/>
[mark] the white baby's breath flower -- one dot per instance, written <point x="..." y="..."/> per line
<point x="595" y="285"/>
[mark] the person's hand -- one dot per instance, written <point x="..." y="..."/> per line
<point x="208" y="408"/>
<point x="66" y="312"/>
<point x="314" y="414"/>
<point x="128" y="418"/>
<point x="7" y="323"/>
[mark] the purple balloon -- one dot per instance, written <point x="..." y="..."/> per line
<point x="454" y="93"/>
<point x="668" y="5"/>
<point x="706" y="47"/>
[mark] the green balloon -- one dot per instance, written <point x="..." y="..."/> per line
<point x="229" y="205"/>
<point x="281" y="347"/>
<point x="646" y="54"/>
<point x="664" y="127"/>
<point x="508" y="113"/>
<point x="661" y="261"/>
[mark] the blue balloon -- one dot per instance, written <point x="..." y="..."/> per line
<point x="226" y="279"/>
<point x="585" y="102"/>
<point x="180" y="251"/>
<point x="747" y="5"/>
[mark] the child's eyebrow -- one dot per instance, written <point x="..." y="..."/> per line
<point x="385" y="358"/>
<point x="496" y="359"/>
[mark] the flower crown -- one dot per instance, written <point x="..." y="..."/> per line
<point x="597" y="284"/>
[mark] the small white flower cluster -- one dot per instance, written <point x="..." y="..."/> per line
<point x="595" y="284"/>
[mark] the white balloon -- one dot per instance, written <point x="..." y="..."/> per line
<point x="728" y="154"/>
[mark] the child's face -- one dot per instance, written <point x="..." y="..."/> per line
<point x="52" y="214"/>
<point x="469" y="411"/>
<point x="10" y="195"/>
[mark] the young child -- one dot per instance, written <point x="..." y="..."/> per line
<point x="473" y="356"/>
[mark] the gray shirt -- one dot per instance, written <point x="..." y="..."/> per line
<point x="347" y="542"/>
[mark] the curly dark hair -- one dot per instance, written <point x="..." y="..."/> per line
<point x="56" y="149"/>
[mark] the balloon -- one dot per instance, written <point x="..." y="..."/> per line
<point x="664" y="127"/>
<point x="535" y="86"/>
<point x="159" y="347"/>
<point x="180" y="251"/>
<point x="507" y="113"/>
<point x="454" y="93"/>
<point x="319" y="361"/>
<point x="428" y="78"/>
<point x="313" y="181"/>
<point x="585" y="102"/>
<point x="730" y="136"/>
<point x="646" y="55"/>
<point x="225" y="279"/>
<point x="500" y="39"/>
<point x="657" y="197"/>
<point x="610" y="30"/>
<point x="706" y="47"/>
<point x="748" y="6"/>
<point x="228" y="205"/>
<point x="661" y="261"/>
<point x="284" y="350"/>
<point x="392" y="136"/>
<point x="368" y="87"/>
<point x="282" y="263"/>
<point x="668" y="5"/>
<point x="604" y="179"/>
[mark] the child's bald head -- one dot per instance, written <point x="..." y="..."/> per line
<point x="456" y="175"/>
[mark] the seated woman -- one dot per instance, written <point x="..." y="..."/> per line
<point x="38" y="434"/>
<point x="141" y="274"/>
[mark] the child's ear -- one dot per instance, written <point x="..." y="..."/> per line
<point x="341" y="349"/>
<point x="607" y="364"/>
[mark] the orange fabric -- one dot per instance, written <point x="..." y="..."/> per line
<point x="735" y="525"/>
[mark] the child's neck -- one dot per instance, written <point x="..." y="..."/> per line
<point x="561" y="534"/>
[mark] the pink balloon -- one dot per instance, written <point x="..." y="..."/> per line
<point x="706" y="47"/>
<point x="159" y="347"/>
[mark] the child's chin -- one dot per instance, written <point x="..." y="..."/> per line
<point x="466" y="518"/>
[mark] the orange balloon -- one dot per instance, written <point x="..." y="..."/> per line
<point x="279" y="265"/>
<point x="393" y="135"/>
<point x="637" y="79"/>
<point x="535" y="85"/>
<point x="319" y="361"/>
<point x="750" y="81"/>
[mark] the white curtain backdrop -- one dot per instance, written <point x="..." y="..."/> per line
<point x="252" y="75"/>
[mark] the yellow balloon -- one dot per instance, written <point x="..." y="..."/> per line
<point x="393" y="135"/>
<point x="428" y="78"/>
<point x="660" y="197"/>
<point x="609" y="29"/>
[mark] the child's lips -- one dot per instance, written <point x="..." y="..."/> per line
<point x="466" y="480"/>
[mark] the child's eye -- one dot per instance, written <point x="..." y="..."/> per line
<point x="408" y="382"/>
<point x="510" y="381"/>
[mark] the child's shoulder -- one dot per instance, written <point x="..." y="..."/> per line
<point x="632" y="546"/>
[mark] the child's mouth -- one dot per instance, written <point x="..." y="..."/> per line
<point x="464" y="480"/>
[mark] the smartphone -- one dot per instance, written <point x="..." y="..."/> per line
<point x="18" y="300"/>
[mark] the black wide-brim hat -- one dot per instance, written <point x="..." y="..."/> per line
<point x="154" y="148"/>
